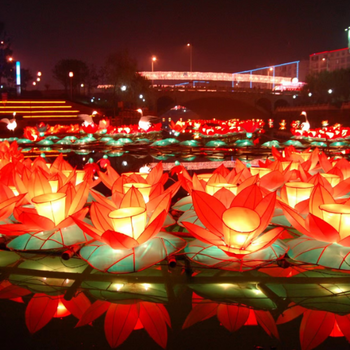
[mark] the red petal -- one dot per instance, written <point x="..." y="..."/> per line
<point x="99" y="217"/>
<point x="154" y="323"/>
<point x="209" y="210"/>
<point x="153" y="228"/>
<point x="267" y="322"/>
<point x="119" y="323"/>
<point x="200" y="312"/>
<point x="78" y="305"/>
<point x="203" y="234"/>
<point x="232" y="317"/>
<point x="315" y="328"/>
<point x="117" y="240"/>
<point x="290" y="314"/>
<point x="40" y="311"/>
<point x="94" y="311"/>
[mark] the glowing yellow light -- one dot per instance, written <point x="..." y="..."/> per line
<point x="146" y="286"/>
<point x="239" y="222"/>
<point x="331" y="178"/>
<point x="143" y="174"/>
<point x="51" y="206"/>
<point x="54" y="185"/>
<point x="130" y="221"/>
<point x="14" y="190"/>
<point x="214" y="187"/>
<point x="337" y="215"/>
<point x="145" y="189"/>
<point x="118" y="286"/>
<point x="297" y="192"/>
<point x="204" y="177"/>
<point x="260" y="171"/>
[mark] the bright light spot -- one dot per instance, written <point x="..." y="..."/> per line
<point x="145" y="169"/>
<point x="226" y="285"/>
<point x="92" y="100"/>
<point x="294" y="96"/>
<point x="66" y="281"/>
<point x="118" y="286"/>
<point x="330" y="91"/>
<point x="71" y="74"/>
<point x="123" y="88"/>
<point x="34" y="83"/>
<point x="146" y="286"/>
<point x="84" y="158"/>
<point x="310" y="94"/>
<point x="94" y="112"/>
<point x="82" y="85"/>
<point x="295" y="80"/>
<point x="141" y="96"/>
<point x="124" y="163"/>
<point x="144" y="100"/>
<point x="144" y="125"/>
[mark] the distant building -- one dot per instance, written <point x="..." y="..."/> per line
<point x="329" y="60"/>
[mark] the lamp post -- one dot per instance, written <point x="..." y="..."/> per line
<point x="153" y="60"/>
<point x="71" y="74"/>
<point x="190" y="46"/>
<point x="268" y="74"/>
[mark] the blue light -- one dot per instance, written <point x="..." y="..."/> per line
<point x="18" y="73"/>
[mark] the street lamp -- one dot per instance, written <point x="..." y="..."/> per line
<point x="268" y="74"/>
<point x="190" y="46"/>
<point x="71" y="75"/>
<point x="154" y="58"/>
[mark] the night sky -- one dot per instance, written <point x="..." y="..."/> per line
<point x="227" y="35"/>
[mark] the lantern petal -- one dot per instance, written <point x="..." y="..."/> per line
<point x="15" y="229"/>
<point x="152" y="228"/>
<point x="165" y="313"/>
<point x="200" y="312"/>
<point x="36" y="221"/>
<point x="40" y="310"/>
<point x="94" y="311"/>
<point x="209" y="210"/>
<point x="290" y="314"/>
<point x="154" y="323"/>
<point x="264" y="240"/>
<point x="133" y="198"/>
<point x="90" y="230"/>
<point x="119" y="323"/>
<point x="99" y="217"/>
<point x="173" y="189"/>
<point x="224" y="196"/>
<point x="272" y="181"/>
<point x="163" y="205"/>
<point x="318" y="197"/>
<point x="321" y="230"/>
<point x="203" y="234"/>
<point x="232" y="317"/>
<point x="13" y="291"/>
<point x="341" y="189"/>
<point x="326" y="165"/>
<point x="249" y="197"/>
<point x="80" y="197"/>
<point x="315" y="327"/>
<point x="267" y="322"/>
<point x="197" y="185"/>
<point x="155" y="174"/>
<point x="295" y="219"/>
<point x="103" y="200"/>
<point x="117" y="240"/>
<point x="78" y="305"/>
<point x="265" y="210"/>
<point x="160" y="203"/>
<point x="344" y="325"/>
<point x="7" y="206"/>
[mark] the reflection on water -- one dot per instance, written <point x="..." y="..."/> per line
<point x="48" y="302"/>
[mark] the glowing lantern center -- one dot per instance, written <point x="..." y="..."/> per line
<point x="145" y="189"/>
<point x="294" y="165"/>
<point x="54" y="185"/>
<point x="204" y="177"/>
<point x="332" y="179"/>
<point x="142" y="174"/>
<point x="337" y="215"/>
<point x="130" y="221"/>
<point x="239" y="223"/>
<point x="298" y="191"/>
<point x="51" y="206"/>
<point x="61" y="311"/>
<point x="260" y="171"/>
<point x="214" y="187"/>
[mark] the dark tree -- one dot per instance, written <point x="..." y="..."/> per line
<point x="6" y="64"/>
<point x="79" y="69"/>
<point x="120" y="72"/>
<point x="26" y="77"/>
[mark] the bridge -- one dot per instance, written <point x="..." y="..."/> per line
<point x="221" y="102"/>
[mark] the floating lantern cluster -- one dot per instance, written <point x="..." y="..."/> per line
<point x="239" y="219"/>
